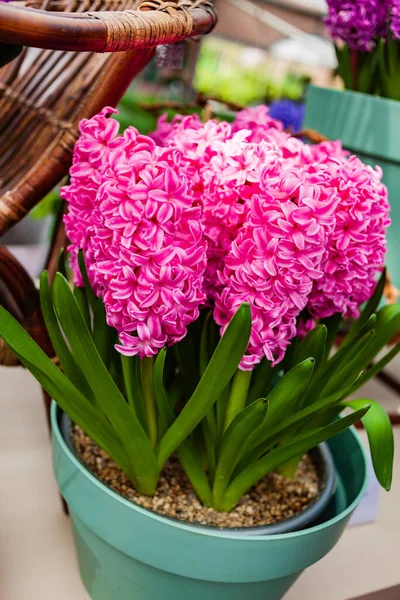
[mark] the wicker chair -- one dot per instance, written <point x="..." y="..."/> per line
<point x="74" y="62"/>
<point x="86" y="61"/>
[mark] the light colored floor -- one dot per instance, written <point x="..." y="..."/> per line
<point x="37" y="560"/>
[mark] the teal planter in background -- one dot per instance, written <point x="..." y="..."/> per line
<point x="369" y="127"/>
<point x="128" y="553"/>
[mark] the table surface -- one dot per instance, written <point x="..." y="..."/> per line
<point x="37" y="560"/>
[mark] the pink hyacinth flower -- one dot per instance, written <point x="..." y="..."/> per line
<point x="273" y="264"/>
<point x="133" y="213"/>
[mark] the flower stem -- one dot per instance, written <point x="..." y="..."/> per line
<point x="147" y="367"/>
<point x="237" y="399"/>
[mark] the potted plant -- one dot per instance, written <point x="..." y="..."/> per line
<point x="366" y="115"/>
<point x="213" y="265"/>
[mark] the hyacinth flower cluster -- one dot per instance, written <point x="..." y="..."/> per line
<point x="366" y="34"/>
<point x="210" y="268"/>
<point x="141" y="234"/>
<point x="289" y="112"/>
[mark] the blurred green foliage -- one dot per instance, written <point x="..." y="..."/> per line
<point x="130" y="112"/>
<point x="50" y="205"/>
<point x="224" y="70"/>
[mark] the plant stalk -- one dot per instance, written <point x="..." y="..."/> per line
<point x="147" y="368"/>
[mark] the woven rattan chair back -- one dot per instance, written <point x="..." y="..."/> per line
<point x="79" y="55"/>
<point x="44" y="93"/>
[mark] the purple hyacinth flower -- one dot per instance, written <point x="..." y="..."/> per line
<point x="357" y="23"/>
<point x="395" y="19"/>
<point x="290" y="113"/>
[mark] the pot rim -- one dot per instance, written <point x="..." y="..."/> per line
<point x="351" y="93"/>
<point x="201" y="530"/>
<point x="357" y="120"/>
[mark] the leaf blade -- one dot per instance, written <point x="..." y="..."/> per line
<point x="69" y="365"/>
<point x="220" y="370"/>
<point x="186" y="453"/>
<point x="91" y="297"/>
<point x="232" y="443"/>
<point x="313" y="346"/>
<point x="250" y="475"/>
<point x="67" y="396"/>
<point x="370" y="307"/>
<point x="116" y="408"/>
<point x="380" y="437"/>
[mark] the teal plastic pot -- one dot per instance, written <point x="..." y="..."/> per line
<point x="128" y="553"/>
<point x="370" y="128"/>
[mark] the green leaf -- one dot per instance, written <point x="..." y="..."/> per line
<point x="370" y="325"/>
<point x="62" y="265"/>
<point x="91" y="297"/>
<point x="220" y="410"/>
<point x="238" y="395"/>
<point x="195" y="473"/>
<point x="206" y="340"/>
<point x="369" y="308"/>
<point x="108" y="395"/>
<point x="188" y="363"/>
<point x="261" y="382"/>
<point x="81" y="299"/>
<point x="48" y="206"/>
<point x="287" y="391"/>
<point x="313" y="346"/>
<point x="332" y="325"/>
<point x="69" y="366"/>
<point x="289" y="468"/>
<point x="355" y="357"/>
<point x="61" y="389"/>
<point x="346" y="363"/>
<point x="392" y="61"/>
<point x="319" y="418"/>
<point x="368" y="64"/>
<point x="344" y="69"/>
<point x="375" y="369"/>
<point x="219" y="372"/>
<point x="146" y="383"/>
<point x="380" y="436"/>
<point x="186" y="453"/>
<point x="210" y="441"/>
<point x="115" y="369"/>
<point x="175" y="393"/>
<point x="348" y="366"/>
<point x="165" y="413"/>
<point x="92" y="423"/>
<point x="295" y="422"/>
<point x="236" y="434"/>
<point x="131" y="374"/>
<point x="289" y="359"/>
<point x="383" y="72"/>
<point x="254" y="472"/>
<point x="208" y="424"/>
<point x="387" y="325"/>
<point x="104" y="336"/>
